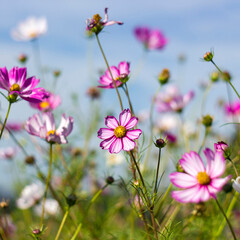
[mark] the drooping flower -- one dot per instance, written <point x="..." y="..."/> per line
<point x="49" y="102"/>
<point x="118" y="135"/>
<point x="7" y="153"/>
<point x="30" y="29"/>
<point x="119" y="75"/>
<point x="45" y="127"/>
<point x="96" y="24"/>
<point x="30" y="195"/>
<point x="198" y="183"/>
<point x="236" y="184"/>
<point x="172" y="100"/>
<point x="16" y="83"/>
<point x="152" y="39"/>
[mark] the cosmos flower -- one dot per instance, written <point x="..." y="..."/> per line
<point x="96" y="24"/>
<point x="14" y="126"/>
<point x="30" y="29"/>
<point x="120" y="73"/>
<point x="118" y="135"/>
<point x="7" y="153"/>
<point x="16" y="83"/>
<point x="51" y="208"/>
<point x="198" y="183"/>
<point x="152" y="39"/>
<point x="236" y="184"/>
<point x="49" y="102"/>
<point x="30" y="195"/>
<point x="172" y="100"/>
<point x="45" y="127"/>
<point x="114" y="159"/>
<point x="232" y="111"/>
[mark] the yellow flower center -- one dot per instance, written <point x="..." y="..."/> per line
<point x="97" y="18"/>
<point x="15" y="87"/>
<point x="33" y="35"/>
<point x="51" y="132"/>
<point x="44" y="105"/>
<point x="203" y="178"/>
<point x="120" y="131"/>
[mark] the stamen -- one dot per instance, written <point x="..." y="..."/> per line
<point x="97" y="18"/>
<point x="203" y="178"/>
<point x="52" y="132"/>
<point x="120" y="131"/>
<point x="33" y="35"/>
<point x="44" y="104"/>
<point x="15" y="87"/>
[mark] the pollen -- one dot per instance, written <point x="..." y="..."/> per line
<point x="120" y="131"/>
<point x="44" y="105"/>
<point x="97" y="18"/>
<point x="203" y="178"/>
<point x="52" y="132"/>
<point x="15" y="87"/>
<point x="32" y="35"/>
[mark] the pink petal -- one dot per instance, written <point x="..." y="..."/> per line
<point x="105" y="80"/>
<point x="105" y="133"/>
<point x="124" y="67"/>
<point x="111" y="122"/>
<point x="218" y="165"/>
<point x="128" y="144"/>
<point x="218" y="183"/>
<point x="186" y="195"/>
<point x="133" y="134"/>
<point x="30" y="83"/>
<point x="202" y="195"/>
<point x="4" y="81"/>
<point x="114" y="71"/>
<point x="107" y="143"/>
<point x="66" y="126"/>
<point x="192" y="163"/>
<point x="112" y="22"/>
<point x="48" y="119"/>
<point x="124" y="117"/>
<point x="183" y="180"/>
<point x="132" y="123"/>
<point x="210" y="156"/>
<point x="116" y="146"/>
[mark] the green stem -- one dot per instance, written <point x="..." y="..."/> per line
<point x="5" y="121"/>
<point x="226" y="78"/>
<point x="77" y="231"/>
<point x="128" y="97"/>
<point x="154" y="225"/>
<point x="114" y="83"/>
<point x="158" y="166"/>
<point x="47" y="182"/>
<point x="204" y="139"/>
<point x="226" y="218"/>
<point x="62" y="224"/>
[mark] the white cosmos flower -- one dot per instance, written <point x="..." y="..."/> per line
<point x="167" y="122"/>
<point x="51" y="207"/>
<point x="114" y="159"/>
<point x="30" y="195"/>
<point x="236" y="184"/>
<point x="30" y="29"/>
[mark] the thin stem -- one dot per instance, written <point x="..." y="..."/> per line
<point x="234" y="167"/>
<point x="114" y="83"/>
<point x="5" y="121"/>
<point x="128" y="97"/>
<point x="204" y="139"/>
<point x="62" y="224"/>
<point x="77" y="231"/>
<point x="154" y="225"/>
<point x="158" y="166"/>
<point x="226" y="78"/>
<point x="228" y="222"/>
<point x="47" y="182"/>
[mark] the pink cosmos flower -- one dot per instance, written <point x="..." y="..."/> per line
<point x="96" y="25"/>
<point x="172" y="100"/>
<point x="120" y="73"/>
<point x="118" y="135"/>
<point x="233" y="109"/>
<point x="198" y="183"/>
<point x="152" y="39"/>
<point x="49" y="102"/>
<point x="45" y="127"/>
<point x="14" y="126"/>
<point x="8" y="153"/>
<point x="16" y="84"/>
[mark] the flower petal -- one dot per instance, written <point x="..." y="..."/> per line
<point x="111" y="122"/>
<point x="186" y="195"/>
<point x="105" y="133"/>
<point x="48" y="119"/>
<point x="192" y="163"/>
<point x="202" y="195"/>
<point x="218" y="183"/>
<point x="183" y="180"/>
<point x="124" y="67"/>
<point x="116" y="146"/>
<point x="114" y="71"/>
<point x="132" y="123"/>
<point x="133" y="134"/>
<point x="218" y="165"/>
<point x="124" y="117"/>
<point x="128" y="144"/>
<point x="107" y="143"/>
<point x="210" y="156"/>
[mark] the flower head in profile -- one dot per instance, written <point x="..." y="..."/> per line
<point x="172" y="101"/>
<point x="200" y="183"/>
<point x="96" y="24"/>
<point x="119" y="135"/>
<point x="30" y="29"/>
<point x="152" y="39"/>
<point x="120" y="74"/>
<point x="45" y="127"/>
<point x="49" y="102"/>
<point x="16" y="83"/>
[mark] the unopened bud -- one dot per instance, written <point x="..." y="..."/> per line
<point x="109" y="180"/>
<point x="93" y="93"/>
<point x="71" y="199"/>
<point x="36" y="231"/>
<point x="160" y="143"/>
<point x="207" y="120"/>
<point x="214" y="76"/>
<point x="57" y="73"/>
<point x="179" y="168"/>
<point x="22" y="58"/>
<point x="30" y="160"/>
<point x="164" y="76"/>
<point x="208" y="56"/>
<point x="226" y="76"/>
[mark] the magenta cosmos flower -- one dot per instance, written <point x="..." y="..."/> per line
<point x="119" y="74"/>
<point x="45" y="127"/>
<point x="233" y="109"/>
<point x="16" y="83"/>
<point x="96" y="24"/>
<point x="118" y="135"/>
<point x="49" y="102"/>
<point x="152" y="39"/>
<point x="172" y="101"/>
<point x="198" y="183"/>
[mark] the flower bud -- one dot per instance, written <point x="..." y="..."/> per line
<point x="36" y="232"/>
<point x="160" y="143"/>
<point x="199" y="209"/>
<point x="71" y="199"/>
<point x="207" y="120"/>
<point x="164" y="76"/>
<point x="214" y="76"/>
<point x="227" y="188"/>
<point x="22" y="58"/>
<point x="226" y="76"/>
<point x="109" y="180"/>
<point x="93" y="93"/>
<point x="208" y="56"/>
<point x="179" y="168"/>
<point x="57" y="73"/>
<point x="12" y="98"/>
<point x="4" y="204"/>
<point x="30" y="160"/>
